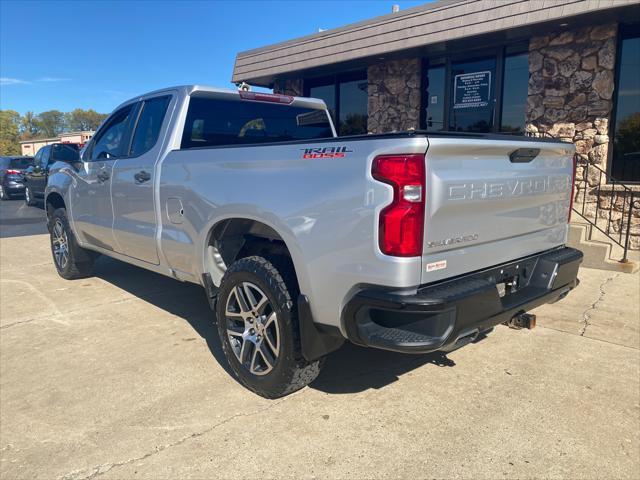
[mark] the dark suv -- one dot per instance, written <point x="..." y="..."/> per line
<point x="35" y="177"/>
<point x="11" y="175"/>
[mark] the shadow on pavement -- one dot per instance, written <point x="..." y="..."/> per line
<point x="355" y="369"/>
<point x="351" y="369"/>
<point x="18" y="219"/>
<point x="184" y="300"/>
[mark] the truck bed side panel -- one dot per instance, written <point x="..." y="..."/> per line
<point x="325" y="209"/>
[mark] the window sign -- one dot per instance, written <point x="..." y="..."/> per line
<point x="472" y="90"/>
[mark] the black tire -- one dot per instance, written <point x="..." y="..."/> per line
<point x="290" y="371"/>
<point x="28" y="196"/>
<point x="4" y="195"/>
<point x="79" y="261"/>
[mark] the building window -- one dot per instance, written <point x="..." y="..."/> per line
<point x="346" y="98"/>
<point x="485" y="92"/>
<point x="625" y="160"/>
<point x="514" y="93"/>
<point x="435" y="98"/>
<point x="472" y="104"/>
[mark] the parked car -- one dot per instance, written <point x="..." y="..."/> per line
<point x="412" y="242"/>
<point x="35" y="177"/>
<point x="11" y="179"/>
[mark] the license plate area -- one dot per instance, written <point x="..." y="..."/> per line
<point x="508" y="286"/>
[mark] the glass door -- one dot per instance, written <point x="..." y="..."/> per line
<point x="472" y="96"/>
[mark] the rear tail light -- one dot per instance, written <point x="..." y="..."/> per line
<point x="13" y="172"/>
<point x="572" y="188"/>
<point x="266" y="97"/>
<point x="401" y="226"/>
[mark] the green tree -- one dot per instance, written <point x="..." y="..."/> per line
<point x="9" y="132"/>
<point x="29" y="126"/>
<point x="51" y="123"/>
<point x="80" y="119"/>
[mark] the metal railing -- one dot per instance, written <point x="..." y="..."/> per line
<point x="593" y="185"/>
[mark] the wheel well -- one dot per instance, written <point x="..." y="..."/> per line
<point x="235" y="238"/>
<point x="54" y="201"/>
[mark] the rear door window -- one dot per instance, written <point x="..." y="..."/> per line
<point x="149" y="124"/>
<point x="213" y="122"/>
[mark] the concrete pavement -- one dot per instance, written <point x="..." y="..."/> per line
<point x="122" y="376"/>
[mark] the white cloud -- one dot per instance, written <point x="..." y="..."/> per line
<point x="11" y="81"/>
<point x="53" y="79"/>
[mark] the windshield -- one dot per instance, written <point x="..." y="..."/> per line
<point x="65" y="152"/>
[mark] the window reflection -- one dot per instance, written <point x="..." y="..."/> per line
<point x="435" y="99"/>
<point x="626" y="141"/>
<point x="353" y="107"/>
<point x="346" y="98"/>
<point x="328" y="94"/>
<point x="514" y="93"/>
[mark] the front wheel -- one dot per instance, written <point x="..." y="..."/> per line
<point x="258" y="328"/>
<point x="71" y="260"/>
<point x="28" y="196"/>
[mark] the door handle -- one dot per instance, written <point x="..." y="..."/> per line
<point x="103" y="176"/>
<point x="142" y="176"/>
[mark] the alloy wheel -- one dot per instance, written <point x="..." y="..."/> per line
<point x="252" y="328"/>
<point x="60" y="244"/>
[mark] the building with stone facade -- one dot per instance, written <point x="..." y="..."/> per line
<point x="568" y="69"/>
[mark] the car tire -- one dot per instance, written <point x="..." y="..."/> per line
<point x="4" y="195"/>
<point x="28" y="196"/>
<point x="71" y="260"/>
<point x="258" y="327"/>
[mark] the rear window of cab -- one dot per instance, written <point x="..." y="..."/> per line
<point x="216" y="122"/>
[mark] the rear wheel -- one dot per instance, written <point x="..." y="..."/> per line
<point x="28" y="196"/>
<point x="258" y="328"/>
<point x="71" y="260"/>
<point x="4" y="195"/>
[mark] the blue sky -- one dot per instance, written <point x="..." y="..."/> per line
<point x="95" y="54"/>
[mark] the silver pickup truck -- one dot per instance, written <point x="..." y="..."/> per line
<point x="413" y="242"/>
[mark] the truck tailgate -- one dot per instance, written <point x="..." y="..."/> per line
<point x="484" y="207"/>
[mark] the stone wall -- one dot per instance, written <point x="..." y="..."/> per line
<point x="394" y="96"/>
<point x="289" y="86"/>
<point x="570" y="97"/>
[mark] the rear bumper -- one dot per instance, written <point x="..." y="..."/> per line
<point x="446" y="315"/>
<point x="14" y="186"/>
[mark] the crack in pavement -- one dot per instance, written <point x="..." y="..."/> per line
<point x="93" y="472"/>
<point x="594" y="306"/>
<point x="20" y="322"/>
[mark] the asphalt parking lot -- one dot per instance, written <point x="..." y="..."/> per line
<point x="122" y="376"/>
<point x="17" y="219"/>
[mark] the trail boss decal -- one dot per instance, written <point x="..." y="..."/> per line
<point x="326" y="152"/>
